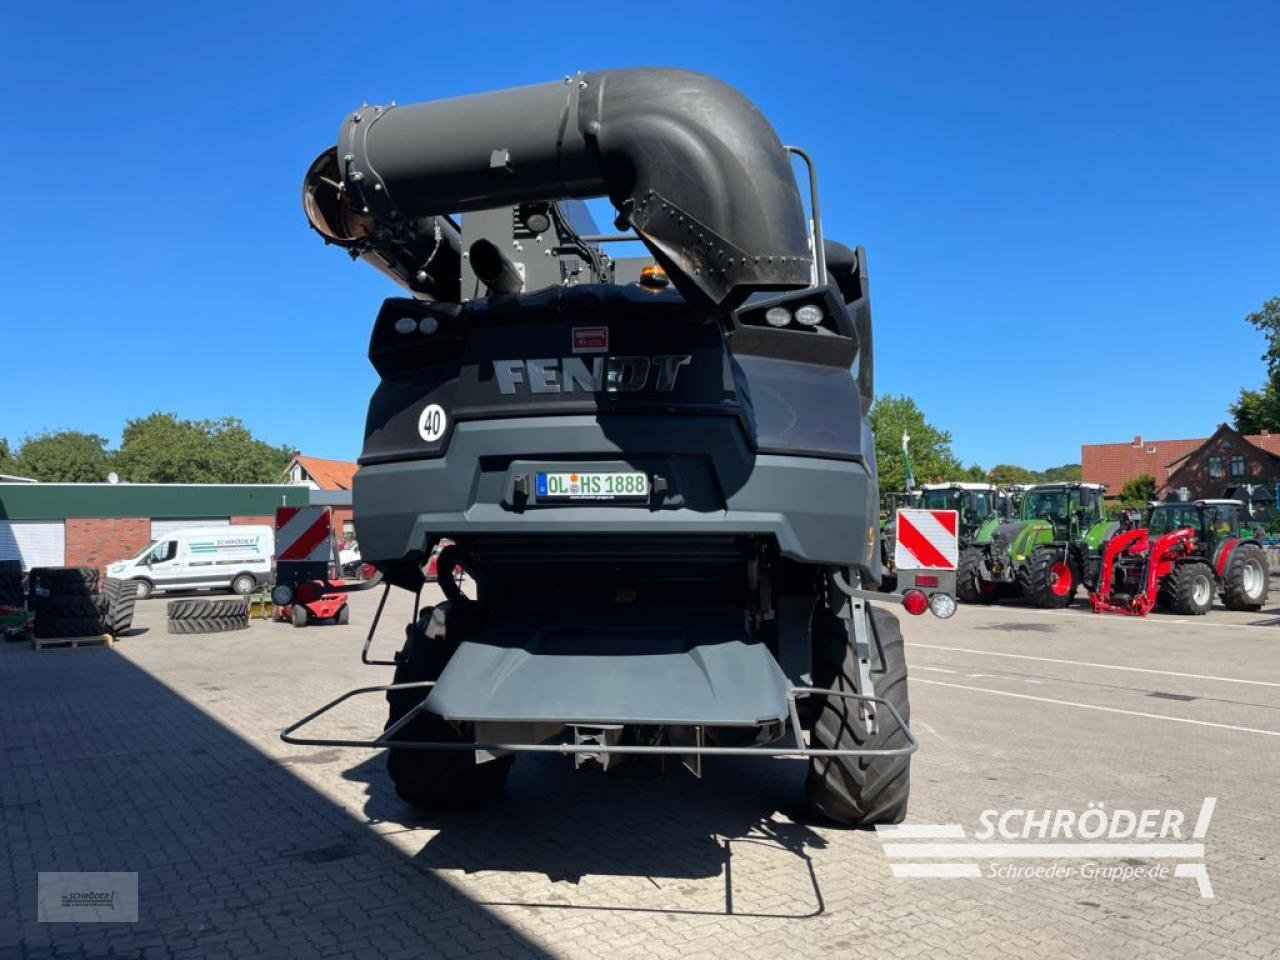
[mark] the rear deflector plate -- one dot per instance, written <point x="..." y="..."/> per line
<point x="611" y="666"/>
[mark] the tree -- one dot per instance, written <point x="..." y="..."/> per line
<point x="1068" y="471"/>
<point x="975" y="473"/>
<point x="1267" y="320"/>
<point x="162" y="448"/>
<point x="1139" y="490"/>
<point x="1258" y="410"/>
<point x="931" y="456"/>
<point x="65" y="457"/>
<point x="1003" y="474"/>
<point x="6" y="458"/>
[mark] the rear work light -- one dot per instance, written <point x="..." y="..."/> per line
<point x="942" y="605"/>
<point x="915" y="602"/>
<point x="777" y="316"/>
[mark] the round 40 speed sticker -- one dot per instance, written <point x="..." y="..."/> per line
<point x="432" y="423"/>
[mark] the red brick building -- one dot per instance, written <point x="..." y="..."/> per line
<point x="1205" y="466"/>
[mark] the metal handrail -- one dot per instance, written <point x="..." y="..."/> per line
<point x="384" y="739"/>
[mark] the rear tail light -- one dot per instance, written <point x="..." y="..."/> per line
<point x="915" y="602"/>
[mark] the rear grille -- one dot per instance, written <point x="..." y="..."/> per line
<point x="615" y="560"/>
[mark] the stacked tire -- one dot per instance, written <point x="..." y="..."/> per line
<point x="208" y="616"/>
<point x="66" y="603"/>
<point x="12" y="593"/>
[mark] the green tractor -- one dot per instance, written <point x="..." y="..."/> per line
<point x="977" y="503"/>
<point x="1046" y="553"/>
<point x="1227" y="540"/>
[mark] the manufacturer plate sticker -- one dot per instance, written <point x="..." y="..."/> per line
<point x="590" y="339"/>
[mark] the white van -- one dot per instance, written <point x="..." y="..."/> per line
<point x="235" y="558"/>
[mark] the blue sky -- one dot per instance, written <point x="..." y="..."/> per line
<point x="1068" y="208"/>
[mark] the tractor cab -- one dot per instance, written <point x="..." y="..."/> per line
<point x="1072" y="508"/>
<point x="1215" y="522"/>
<point x="975" y="502"/>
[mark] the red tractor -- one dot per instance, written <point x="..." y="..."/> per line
<point x="1227" y="541"/>
<point x="1138" y="572"/>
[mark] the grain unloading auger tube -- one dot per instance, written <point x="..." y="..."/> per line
<point x="688" y="162"/>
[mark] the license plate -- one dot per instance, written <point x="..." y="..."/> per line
<point x="592" y="486"/>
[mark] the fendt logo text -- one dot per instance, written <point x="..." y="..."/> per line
<point x="590" y="375"/>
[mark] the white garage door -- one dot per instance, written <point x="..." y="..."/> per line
<point x="162" y="528"/>
<point x="37" y="543"/>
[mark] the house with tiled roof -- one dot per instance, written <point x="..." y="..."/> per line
<point x="333" y="479"/>
<point x="1205" y="466"/>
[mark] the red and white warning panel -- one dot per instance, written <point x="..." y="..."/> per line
<point x="304" y="533"/>
<point x="927" y="540"/>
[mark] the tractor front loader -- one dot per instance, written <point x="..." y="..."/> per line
<point x="1136" y="572"/>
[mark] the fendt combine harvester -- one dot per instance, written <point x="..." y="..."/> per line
<point x="661" y="481"/>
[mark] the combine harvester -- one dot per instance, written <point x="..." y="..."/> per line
<point x="657" y="473"/>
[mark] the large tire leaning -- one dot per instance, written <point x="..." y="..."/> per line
<point x="1047" y="579"/>
<point x="1189" y="589"/>
<point x="859" y="790"/>
<point x="122" y="597"/>
<point x="1246" y="580"/>
<point x="968" y="576"/>
<point x="431" y="779"/>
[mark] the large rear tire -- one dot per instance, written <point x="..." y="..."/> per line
<point x="1246" y="580"/>
<point x="968" y="576"/>
<point x="859" y="791"/>
<point x="1048" y="579"/>
<point x="431" y="779"/>
<point x="1190" y="589"/>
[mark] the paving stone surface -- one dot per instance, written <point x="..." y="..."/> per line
<point x="162" y="756"/>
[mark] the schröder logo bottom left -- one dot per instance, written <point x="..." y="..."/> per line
<point x="80" y="897"/>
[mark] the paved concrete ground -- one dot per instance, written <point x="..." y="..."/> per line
<point x="161" y="756"/>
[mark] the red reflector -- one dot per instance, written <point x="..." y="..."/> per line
<point x="915" y="602"/>
<point x="926" y="580"/>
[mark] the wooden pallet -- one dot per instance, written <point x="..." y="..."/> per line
<point x="55" y="643"/>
